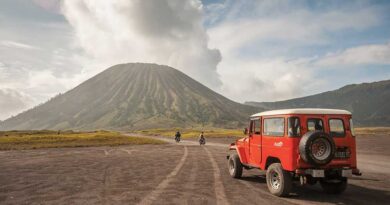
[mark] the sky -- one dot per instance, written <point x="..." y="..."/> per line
<point x="249" y="50"/>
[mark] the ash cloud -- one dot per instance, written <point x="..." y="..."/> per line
<point x="166" y="32"/>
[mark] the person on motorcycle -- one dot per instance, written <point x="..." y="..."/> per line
<point x="177" y="136"/>
<point x="202" y="140"/>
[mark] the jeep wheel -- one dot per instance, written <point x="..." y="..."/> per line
<point x="317" y="148"/>
<point x="235" y="166"/>
<point x="279" y="181"/>
<point x="337" y="187"/>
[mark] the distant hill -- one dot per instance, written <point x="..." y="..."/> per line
<point x="368" y="102"/>
<point x="134" y="96"/>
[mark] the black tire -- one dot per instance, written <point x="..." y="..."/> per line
<point x="325" y="153"/>
<point x="279" y="181"/>
<point x="235" y="166"/>
<point x="334" y="187"/>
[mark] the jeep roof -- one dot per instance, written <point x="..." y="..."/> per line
<point x="303" y="111"/>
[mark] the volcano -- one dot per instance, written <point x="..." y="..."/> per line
<point x="134" y="96"/>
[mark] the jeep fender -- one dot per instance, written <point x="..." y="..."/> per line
<point x="240" y="152"/>
<point x="271" y="160"/>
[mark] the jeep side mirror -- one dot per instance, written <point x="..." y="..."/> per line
<point x="245" y="131"/>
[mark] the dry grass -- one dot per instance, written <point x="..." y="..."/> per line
<point x="372" y="130"/>
<point x="217" y="132"/>
<point x="52" y="139"/>
<point x="193" y="133"/>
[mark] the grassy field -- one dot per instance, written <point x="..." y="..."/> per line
<point x="217" y="132"/>
<point x="193" y="133"/>
<point x="372" y="130"/>
<point x="52" y="139"/>
<point x="12" y="140"/>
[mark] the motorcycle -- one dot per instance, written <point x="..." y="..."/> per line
<point x="177" y="139"/>
<point x="202" y="141"/>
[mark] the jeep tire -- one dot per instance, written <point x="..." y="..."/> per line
<point x="337" y="187"/>
<point x="317" y="148"/>
<point x="235" y="166"/>
<point x="279" y="181"/>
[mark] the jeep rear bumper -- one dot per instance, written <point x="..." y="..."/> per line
<point x="321" y="173"/>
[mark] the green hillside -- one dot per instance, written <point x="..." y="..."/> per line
<point x="134" y="96"/>
<point x="368" y="102"/>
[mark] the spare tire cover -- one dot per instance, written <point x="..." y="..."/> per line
<point x="317" y="148"/>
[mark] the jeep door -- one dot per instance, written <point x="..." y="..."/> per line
<point x="255" y="142"/>
<point x="274" y="143"/>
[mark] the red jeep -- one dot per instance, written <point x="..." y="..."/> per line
<point x="305" y="145"/>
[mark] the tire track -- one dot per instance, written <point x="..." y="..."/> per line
<point x="104" y="196"/>
<point x="127" y="151"/>
<point x="193" y="166"/>
<point x="106" y="182"/>
<point x="107" y="152"/>
<point x="190" y="186"/>
<point x="218" y="185"/>
<point x="248" y="195"/>
<point x="269" y="195"/>
<point x="152" y="196"/>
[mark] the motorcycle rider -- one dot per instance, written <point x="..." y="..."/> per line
<point x="177" y="136"/>
<point x="202" y="140"/>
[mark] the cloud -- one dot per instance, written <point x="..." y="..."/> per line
<point x="375" y="54"/>
<point x="12" y="102"/>
<point x="167" y="32"/>
<point x="293" y="27"/>
<point x="31" y="86"/>
<point x="49" y="5"/>
<point x="266" y="79"/>
<point x="13" y="44"/>
<point x="37" y="56"/>
<point x="266" y="45"/>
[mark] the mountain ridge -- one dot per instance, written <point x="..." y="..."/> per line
<point x="368" y="102"/>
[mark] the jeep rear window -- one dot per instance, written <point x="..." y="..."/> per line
<point x="315" y="124"/>
<point x="273" y="126"/>
<point x="336" y="127"/>
<point x="294" y="127"/>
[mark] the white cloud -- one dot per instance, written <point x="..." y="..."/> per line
<point x="22" y="87"/>
<point x="13" y="44"/>
<point x="258" y="41"/>
<point x="50" y="5"/>
<point x="12" y="102"/>
<point x="266" y="79"/>
<point x="12" y="78"/>
<point x="267" y="21"/>
<point x="378" y="54"/>
<point x="166" y="32"/>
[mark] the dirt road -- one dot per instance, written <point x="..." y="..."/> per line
<point x="183" y="173"/>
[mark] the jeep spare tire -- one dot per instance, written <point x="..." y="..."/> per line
<point x="317" y="148"/>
